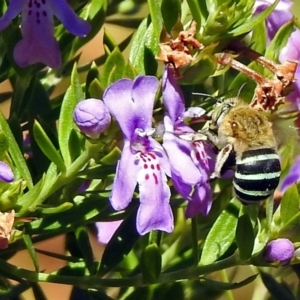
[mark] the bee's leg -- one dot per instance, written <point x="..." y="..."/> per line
<point x="212" y="137"/>
<point x="222" y="158"/>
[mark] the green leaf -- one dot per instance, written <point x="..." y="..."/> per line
<point x="66" y="124"/>
<point x="245" y="237"/>
<point x="289" y="205"/>
<point x="15" y="152"/>
<point x="27" y="199"/>
<point x="38" y="291"/>
<point x="277" y="290"/>
<point x="120" y="244"/>
<point x="144" y="48"/>
<point x="47" y="147"/>
<point x="84" y="244"/>
<point x="171" y="12"/>
<point x="156" y="18"/>
<point x="225" y="286"/>
<point x="253" y="21"/>
<point x="31" y="251"/>
<point x="279" y="41"/>
<point x="114" y="68"/>
<point x="57" y="209"/>
<point x="151" y="263"/>
<point x="259" y="38"/>
<point x="221" y="235"/>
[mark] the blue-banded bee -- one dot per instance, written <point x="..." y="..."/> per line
<point x="245" y="134"/>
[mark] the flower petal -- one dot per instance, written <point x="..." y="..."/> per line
<point x="14" y="8"/>
<point x="29" y="51"/>
<point x="117" y="98"/>
<point x="201" y="201"/>
<point x="179" y="153"/>
<point x="144" y="89"/>
<point x="125" y="180"/>
<point x="154" y="212"/>
<point x="172" y="96"/>
<point x="292" y="177"/>
<point x="92" y="117"/>
<point x="38" y="43"/>
<point x="6" y="173"/>
<point x="280" y="250"/>
<point x="68" y="17"/>
<point x="106" y="230"/>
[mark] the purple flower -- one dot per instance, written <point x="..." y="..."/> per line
<point x="37" y="27"/>
<point x="192" y="162"/>
<point x="292" y="177"/>
<point x="6" y="174"/>
<point x="279" y="16"/>
<point x="280" y="250"/>
<point x="106" y="230"/>
<point x="92" y="117"/>
<point x="292" y="52"/>
<point x="143" y="160"/>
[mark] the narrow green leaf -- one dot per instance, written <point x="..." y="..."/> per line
<point x="253" y="21"/>
<point x="279" y="40"/>
<point x="24" y="202"/>
<point x="156" y="18"/>
<point x="277" y="290"/>
<point x="259" y="38"/>
<point x="57" y="209"/>
<point x="171" y="12"/>
<point x="73" y="95"/>
<point x="194" y="6"/>
<point x="245" y="237"/>
<point x="38" y="292"/>
<point x="47" y="147"/>
<point x="144" y="48"/>
<point x="151" y="263"/>
<point x="225" y="286"/>
<point x="31" y="251"/>
<point x="84" y="245"/>
<point x="289" y="205"/>
<point x="15" y="152"/>
<point x="221" y="235"/>
<point x="114" y="68"/>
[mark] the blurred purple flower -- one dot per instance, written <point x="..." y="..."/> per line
<point x="292" y="52"/>
<point x="292" y="177"/>
<point x="6" y="174"/>
<point x="106" y="230"/>
<point x="279" y="16"/>
<point x="92" y="117"/>
<point x="280" y="250"/>
<point x="191" y="162"/>
<point x="143" y="160"/>
<point x="37" y="27"/>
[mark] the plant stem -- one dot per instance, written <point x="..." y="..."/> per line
<point x="98" y="282"/>
<point x="62" y="179"/>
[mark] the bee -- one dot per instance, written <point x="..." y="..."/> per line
<point x="247" y="144"/>
<point x="242" y="131"/>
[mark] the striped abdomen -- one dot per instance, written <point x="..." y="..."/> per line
<point x="257" y="175"/>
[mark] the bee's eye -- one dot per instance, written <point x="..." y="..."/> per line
<point x="234" y="125"/>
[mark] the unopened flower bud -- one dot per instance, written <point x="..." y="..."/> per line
<point x="6" y="174"/>
<point x="280" y="250"/>
<point x="92" y="117"/>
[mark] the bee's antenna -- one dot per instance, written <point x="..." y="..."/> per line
<point x="240" y="89"/>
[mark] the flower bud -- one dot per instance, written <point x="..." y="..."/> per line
<point x="281" y="250"/>
<point x="92" y="117"/>
<point x="6" y="174"/>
